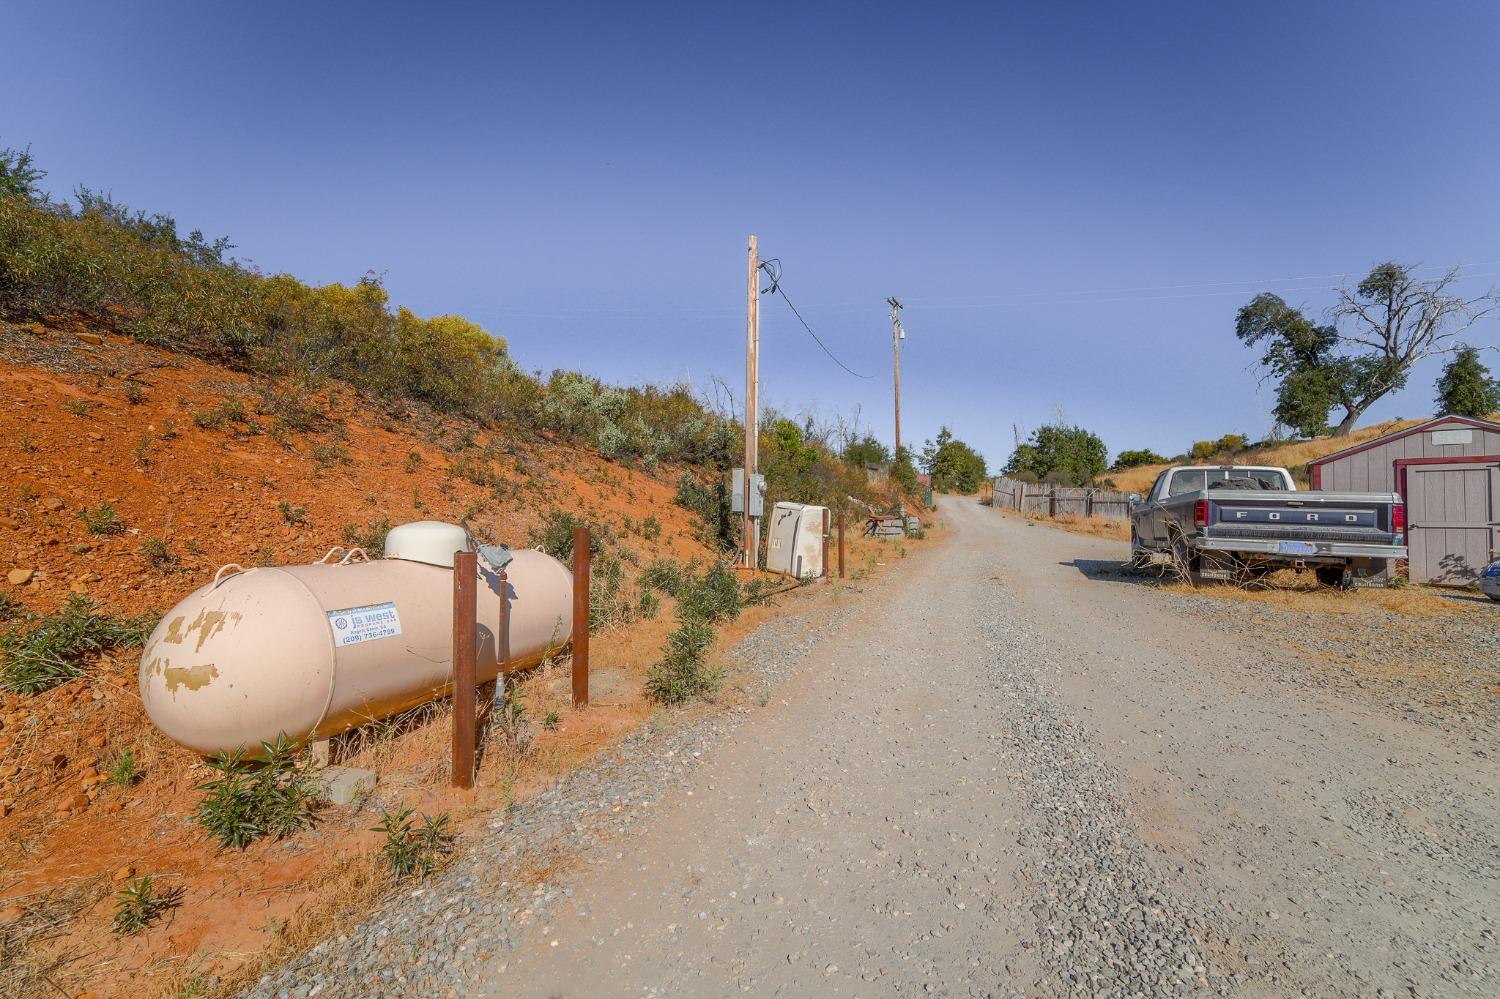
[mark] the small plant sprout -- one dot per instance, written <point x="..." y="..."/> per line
<point x="412" y="848"/>
<point x="102" y="519"/>
<point x="139" y="904"/>
<point x="134" y="393"/>
<point x="159" y="555"/>
<point x="249" y="800"/>
<point x="295" y="515"/>
<point x="78" y="407"/>
<point x="552" y="721"/>
<point x="124" y="772"/>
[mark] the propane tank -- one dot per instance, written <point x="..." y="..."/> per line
<point x="310" y="651"/>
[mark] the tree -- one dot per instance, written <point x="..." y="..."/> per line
<point x="1374" y="335"/>
<point x="904" y="471"/>
<point x="19" y="174"/>
<point x="952" y="465"/>
<point x="1228" y="444"/>
<point x="1059" y="453"/>
<point x="1136" y="458"/>
<point x="866" y="451"/>
<point x="1466" y="388"/>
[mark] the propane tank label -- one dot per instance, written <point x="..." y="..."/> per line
<point x="364" y="624"/>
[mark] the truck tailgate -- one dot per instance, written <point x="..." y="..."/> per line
<point x="1351" y="518"/>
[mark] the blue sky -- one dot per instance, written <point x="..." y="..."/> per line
<point x="1072" y="199"/>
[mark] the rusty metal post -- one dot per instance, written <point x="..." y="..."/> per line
<point x="502" y="637"/>
<point x="841" y="544"/>
<point x="825" y="543"/>
<point x="465" y="628"/>
<point x="580" y="617"/>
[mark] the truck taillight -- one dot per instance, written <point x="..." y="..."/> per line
<point x="1200" y="513"/>
<point x="1398" y="519"/>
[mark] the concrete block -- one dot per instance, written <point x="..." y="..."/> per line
<point x="345" y="785"/>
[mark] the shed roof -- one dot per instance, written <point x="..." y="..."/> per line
<point x="1431" y="424"/>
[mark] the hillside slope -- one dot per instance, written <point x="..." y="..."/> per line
<point x="131" y="475"/>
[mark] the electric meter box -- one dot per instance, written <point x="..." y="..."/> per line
<point x="737" y="493"/>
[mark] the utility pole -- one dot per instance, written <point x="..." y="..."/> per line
<point x="750" y="527"/>
<point x="897" y="335"/>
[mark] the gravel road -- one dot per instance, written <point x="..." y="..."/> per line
<point x="999" y="773"/>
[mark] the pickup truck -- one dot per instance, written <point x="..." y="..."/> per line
<point x="1239" y="522"/>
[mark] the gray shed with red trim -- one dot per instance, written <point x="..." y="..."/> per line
<point x="1448" y="472"/>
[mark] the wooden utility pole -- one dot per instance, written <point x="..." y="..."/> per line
<point x="897" y="335"/>
<point x="750" y="526"/>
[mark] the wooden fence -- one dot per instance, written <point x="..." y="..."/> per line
<point x="1058" y="501"/>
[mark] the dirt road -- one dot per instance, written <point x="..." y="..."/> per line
<point x="1005" y="775"/>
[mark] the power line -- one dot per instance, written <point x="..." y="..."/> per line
<point x="772" y="268"/>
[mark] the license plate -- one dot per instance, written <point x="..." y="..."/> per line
<point x="1296" y="548"/>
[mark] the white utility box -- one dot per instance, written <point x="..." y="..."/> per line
<point x="794" y="544"/>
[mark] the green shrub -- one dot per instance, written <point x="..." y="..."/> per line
<point x="102" y="519"/>
<point x="411" y="849"/>
<point x="248" y="800"/>
<point x="370" y="538"/>
<point x="226" y="412"/>
<point x="294" y="515"/>
<point x="37" y="654"/>
<point x="555" y="535"/>
<point x="683" y="673"/>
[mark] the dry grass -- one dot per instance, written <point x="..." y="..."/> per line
<point x="1113" y="528"/>
<point x="1300" y="592"/>
<point x="1292" y="456"/>
<point x="344" y="895"/>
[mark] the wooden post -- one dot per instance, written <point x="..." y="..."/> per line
<point x="750" y="530"/>
<point x="580" y="617"/>
<point x="841" y="544"/>
<point x="825" y="542"/>
<point x="1052" y="502"/>
<point x="465" y="627"/>
<point x="896" y="364"/>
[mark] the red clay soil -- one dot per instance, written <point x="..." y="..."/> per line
<point x="88" y="420"/>
<point x="74" y="435"/>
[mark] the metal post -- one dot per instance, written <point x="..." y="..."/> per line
<point x="502" y="637"/>
<point x="841" y="544"/>
<point x="465" y="628"/>
<point x="825" y="542"/>
<point x="580" y="617"/>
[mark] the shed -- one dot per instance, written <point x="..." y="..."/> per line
<point x="1448" y="472"/>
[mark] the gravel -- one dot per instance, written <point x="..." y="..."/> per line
<point x="1103" y="921"/>
<point x="431" y="939"/>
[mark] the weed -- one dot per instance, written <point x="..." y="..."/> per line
<point x="295" y="515"/>
<point x="647" y="606"/>
<point x="141" y="455"/>
<point x="325" y="454"/>
<point x="134" y="394"/>
<point x="194" y="547"/>
<point x="226" y="412"/>
<point x="682" y="673"/>
<point x="510" y="721"/>
<point x="124" y="771"/>
<point x="41" y="653"/>
<point x="102" y="519"/>
<point x="27" y="444"/>
<point x="413" y="462"/>
<point x="248" y="800"/>
<point x="78" y="407"/>
<point x="552" y="721"/>
<point x="372" y="539"/>
<point x="10" y="607"/>
<point x="555" y="536"/>
<point x="411" y="849"/>
<point x="763" y="697"/>
<point x="159" y="555"/>
<point x="138" y="905"/>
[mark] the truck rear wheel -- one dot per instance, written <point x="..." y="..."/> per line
<point x="1330" y="575"/>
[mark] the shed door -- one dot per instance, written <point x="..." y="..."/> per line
<point x="1453" y="513"/>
